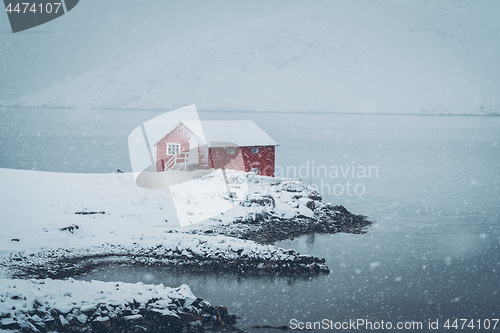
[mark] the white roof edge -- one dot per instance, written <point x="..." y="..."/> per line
<point x="243" y="133"/>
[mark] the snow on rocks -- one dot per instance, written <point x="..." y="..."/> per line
<point x="182" y="250"/>
<point x="70" y="305"/>
<point x="60" y="225"/>
<point x="276" y="209"/>
<point x="228" y="196"/>
<point x="45" y="216"/>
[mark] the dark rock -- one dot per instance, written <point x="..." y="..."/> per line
<point x="311" y="205"/>
<point x="89" y="213"/>
<point x="262" y="200"/>
<point x="9" y="324"/>
<point x="70" y="228"/>
<point x="283" y="328"/>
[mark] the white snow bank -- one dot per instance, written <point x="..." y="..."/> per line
<point x="211" y="198"/>
<point x="36" y="205"/>
<point x="38" y="213"/>
<point x="208" y="196"/>
<point x="65" y="295"/>
<point x="49" y="305"/>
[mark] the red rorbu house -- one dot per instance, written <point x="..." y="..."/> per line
<point x="227" y="144"/>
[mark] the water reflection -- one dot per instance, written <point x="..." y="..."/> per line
<point x="311" y="238"/>
<point x="172" y="276"/>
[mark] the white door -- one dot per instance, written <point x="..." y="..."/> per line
<point x="193" y="156"/>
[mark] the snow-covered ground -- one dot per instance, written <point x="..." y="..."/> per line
<point x="343" y="56"/>
<point x="44" y="210"/>
<point x="210" y="198"/>
<point x="50" y="219"/>
<point x="37" y="205"/>
<point x="41" y="305"/>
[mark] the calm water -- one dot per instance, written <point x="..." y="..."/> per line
<point x="434" y="195"/>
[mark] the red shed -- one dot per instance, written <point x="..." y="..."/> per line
<point x="230" y="144"/>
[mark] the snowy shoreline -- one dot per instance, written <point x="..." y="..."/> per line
<point x="62" y="225"/>
<point x="80" y="306"/>
<point x="193" y="252"/>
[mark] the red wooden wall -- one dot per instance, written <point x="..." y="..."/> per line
<point x="181" y="134"/>
<point x="243" y="159"/>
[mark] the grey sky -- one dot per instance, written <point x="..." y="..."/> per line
<point x="96" y="33"/>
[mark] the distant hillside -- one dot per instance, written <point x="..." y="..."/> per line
<point x="390" y="56"/>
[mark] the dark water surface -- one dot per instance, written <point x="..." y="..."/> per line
<point x="434" y="195"/>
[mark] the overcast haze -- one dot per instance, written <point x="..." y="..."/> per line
<point x="98" y="33"/>
<point x="318" y="56"/>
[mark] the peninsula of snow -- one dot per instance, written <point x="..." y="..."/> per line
<point x="56" y="226"/>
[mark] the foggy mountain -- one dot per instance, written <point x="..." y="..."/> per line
<point x="343" y="56"/>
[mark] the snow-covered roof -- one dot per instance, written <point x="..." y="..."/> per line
<point x="243" y="133"/>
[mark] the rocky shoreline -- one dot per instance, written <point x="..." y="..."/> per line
<point x="243" y="256"/>
<point x="61" y="264"/>
<point x="277" y="209"/>
<point x="266" y="228"/>
<point x="42" y="306"/>
<point x="240" y="242"/>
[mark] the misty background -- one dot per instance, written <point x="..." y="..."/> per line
<point x="100" y="33"/>
<point x="310" y="56"/>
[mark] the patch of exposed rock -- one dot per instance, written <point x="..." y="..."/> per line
<point x="277" y="209"/>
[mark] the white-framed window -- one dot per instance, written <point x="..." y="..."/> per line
<point x="173" y="148"/>
<point x="255" y="150"/>
<point x="256" y="170"/>
<point x="231" y="151"/>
